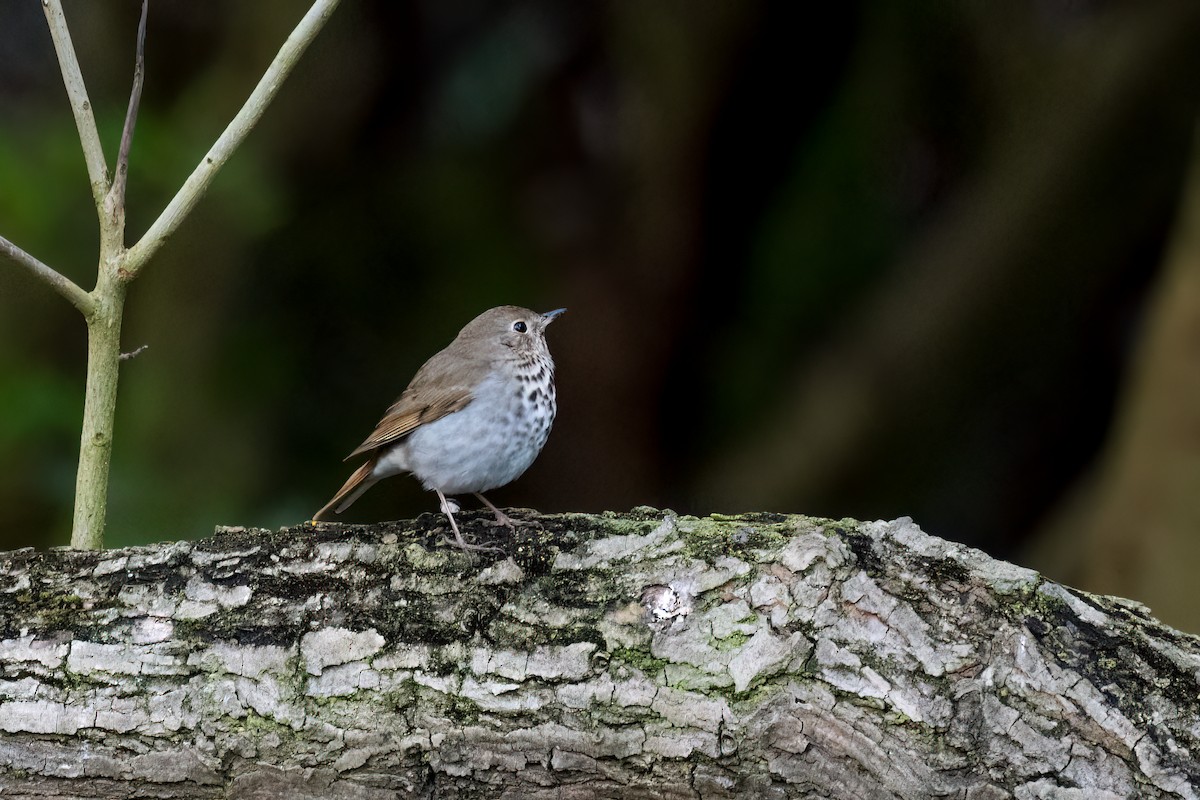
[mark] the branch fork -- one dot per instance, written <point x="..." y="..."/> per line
<point x="103" y="307"/>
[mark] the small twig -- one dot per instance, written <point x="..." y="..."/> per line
<point x="241" y="125"/>
<point x="81" y="107"/>
<point x="133" y="354"/>
<point x="116" y="195"/>
<point x="48" y="275"/>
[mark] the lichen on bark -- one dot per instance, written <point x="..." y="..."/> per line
<point x="616" y="655"/>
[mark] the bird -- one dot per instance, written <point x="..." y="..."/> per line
<point x="473" y="418"/>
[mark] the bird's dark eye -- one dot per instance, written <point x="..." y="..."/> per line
<point x="519" y="326"/>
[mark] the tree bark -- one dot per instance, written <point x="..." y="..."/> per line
<point x="621" y="655"/>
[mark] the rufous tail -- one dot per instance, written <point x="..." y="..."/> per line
<point x="351" y="490"/>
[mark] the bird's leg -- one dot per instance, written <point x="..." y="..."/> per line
<point x="501" y="517"/>
<point x="458" y="539"/>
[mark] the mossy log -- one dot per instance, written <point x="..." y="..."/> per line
<point x="639" y="655"/>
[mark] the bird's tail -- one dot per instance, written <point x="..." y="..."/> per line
<point x="353" y="488"/>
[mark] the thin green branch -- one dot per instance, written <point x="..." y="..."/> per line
<point x="116" y="195"/>
<point x="81" y="107"/>
<point x="197" y="183"/>
<point x="55" y="280"/>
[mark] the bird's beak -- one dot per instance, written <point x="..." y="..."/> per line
<point x="549" y="316"/>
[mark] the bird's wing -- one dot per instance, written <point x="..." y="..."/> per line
<point x="410" y="412"/>
<point x="441" y="386"/>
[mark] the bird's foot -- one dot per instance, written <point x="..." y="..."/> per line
<point x="502" y="519"/>
<point x="448" y="508"/>
<point x="469" y="547"/>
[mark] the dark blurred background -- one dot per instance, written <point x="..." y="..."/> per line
<point x="862" y="259"/>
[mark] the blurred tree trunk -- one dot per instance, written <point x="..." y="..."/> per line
<point x="633" y="655"/>
<point x="634" y="266"/>
<point x="1140" y="532"/>
<point x="1003" y="267"/>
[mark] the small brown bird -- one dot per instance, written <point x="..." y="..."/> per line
<point x="474" y="417"/>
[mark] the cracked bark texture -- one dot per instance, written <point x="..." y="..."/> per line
<point x="621" y="655"/>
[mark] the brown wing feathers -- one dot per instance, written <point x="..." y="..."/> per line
<point x="439" y="387"/>
<point x="404" y="417"/>
<point x="400" y="420"/>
